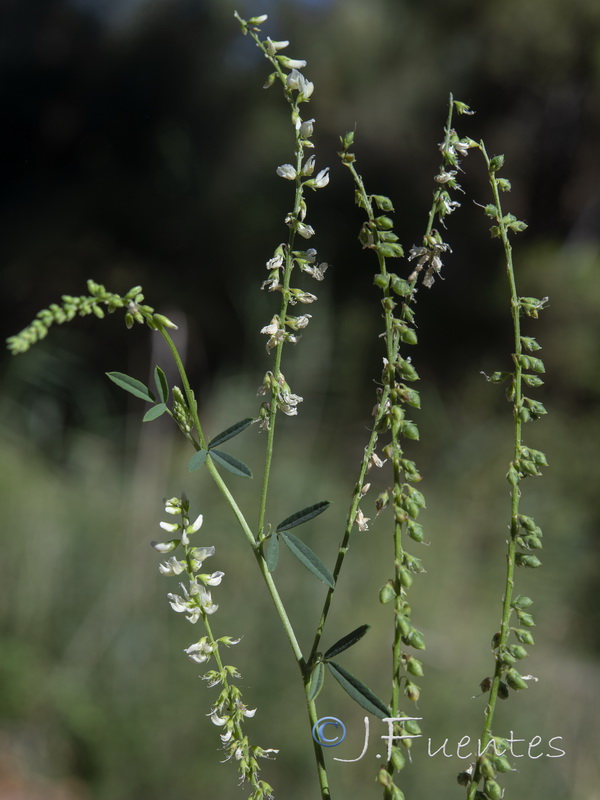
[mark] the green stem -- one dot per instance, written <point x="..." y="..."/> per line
<point x="515" y="490"/>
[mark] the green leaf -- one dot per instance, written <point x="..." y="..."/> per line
<point x="231" y="463"/>
<point x="358" y="691"/>
<point x="316" y="681"/>
<point x="229" y="433"/>
<point x="309" y="559"/>
<point x="155" y="412"/>
<point x="160" y="379"/>
<point x="272" y="552"/>
<point x="347" y="641"/>
<point x="303" y="516"/>
<point x="197" y="460"/>
<point x="131" y="385"/>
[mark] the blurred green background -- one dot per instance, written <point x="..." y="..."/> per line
<point x="139" y="147"/>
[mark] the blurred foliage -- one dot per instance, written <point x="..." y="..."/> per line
<point x="138" y="148"/>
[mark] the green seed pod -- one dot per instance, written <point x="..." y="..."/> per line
<point x="388" y="304"/>
<point x="415" y="530"/>
<point x="386" y="593"/>
<point x="412" y="727"/>
<point x="410" y="430"/>
<point x="522" y="602"/>
<point x="486" y="768"/>
<point x="384" y="777"/>
<point x="492" y="790"/>
<point x="412" y="691"/>
<point x="384" y="223"/>
<point x="408" y="335"/>
<point x="496" y="163"/>
<point x="523" y="560"/>
<point x="406" y="578"/>
<point x="517" y="651"/>
<point x="400" y="286"/>
<point x="382" y="202"/>
<point x="526" y="619"/>
<point x="398" y="759"/>
<point x="512" y="476"/>
<point x="382" y="281"/>
<point x="415" y="639"/>
<point x="507" y="659"/>
<point x="514" y="680"/>
<point x="524" y="636"/>
<point x="501" y="763"/>
<point x="403" y="625"/>
<point x="414" y="666"/>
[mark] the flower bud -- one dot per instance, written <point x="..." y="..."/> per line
<point x="164" y="322"/>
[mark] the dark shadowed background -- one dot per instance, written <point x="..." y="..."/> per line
<point x="138" y="147"/>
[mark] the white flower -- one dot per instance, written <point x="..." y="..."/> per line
<point x="276" y="262"/>
<point x="214" y="579"/>
<point x="196" y="525"/>
<point x="200" y="651"/>
<point x="302" y="297"/>
<point x="288" y="402"/>
<point x="226" y="737"/>
<point x="165" y="547"/>
<point x="286" y="171"/>
<point x="375" y="461"/>
<point x="173" y="506"/>
<point x="170" y="527"/>
<point x="297" y="323"/>
<point x="295" y="80"/>
<point x="318" y="273"/>
<point x="206" y="601"/>
<point x="361" y="521"/>
<point x="306" y="231"/>
<point x="445" y="177"/>
<point x="272" y="328"/>
<point x="292" y="63"/>
<point x="309" y="166"/>
<point x="216" y="719"/>
<point x="306" y="128"/>
<point x="322" y="179"/>
<point x="171" y="567"/>
<point x="273" y="47"/>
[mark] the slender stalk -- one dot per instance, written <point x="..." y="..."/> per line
<point x="501" y="638"/>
